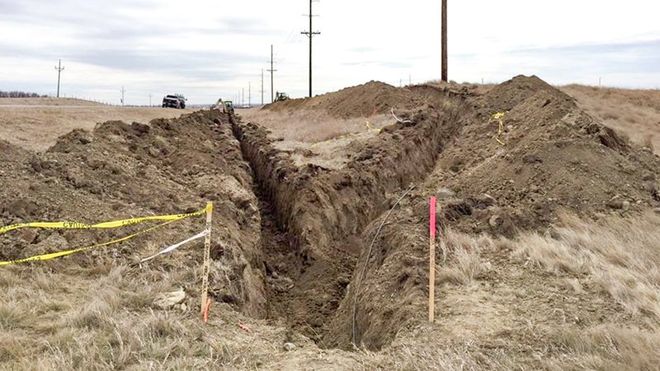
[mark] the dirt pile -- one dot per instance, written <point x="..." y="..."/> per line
<point x="546" y="156"/>
<point x="358" y="101"/>
<point x="552" y="156"/>
<point x="120" y="170"/>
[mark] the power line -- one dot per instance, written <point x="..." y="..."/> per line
<point x="311" y="33"/>
<point x="59" y="69"/>
<point x="271" y="70"/>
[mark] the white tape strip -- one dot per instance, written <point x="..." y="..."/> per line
<point x="399" y="120"/>
<point x="176" y="246"/>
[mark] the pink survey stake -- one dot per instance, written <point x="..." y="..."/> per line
<point x="432" y="202"/>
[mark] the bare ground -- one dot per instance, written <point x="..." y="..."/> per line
<point x="576" y="288"/>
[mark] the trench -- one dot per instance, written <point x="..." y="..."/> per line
<point x="313" y="218"/>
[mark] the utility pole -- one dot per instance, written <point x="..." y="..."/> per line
<point x="249" y="94"/>
<point x="123" y="91"/>
<point x="150" y="100"/>
<point x="311" y="33"/>
<point x="242" y="97"/>
<point x="262" y="86"/>
<point x="59" y="69"/>
<point x="271" y="70"/>
<point x="444" y="41"/>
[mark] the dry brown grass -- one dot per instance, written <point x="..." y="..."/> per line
<point x="621" y="255"/>
<point x="74" y="314"/>
<point x="461" y="261"/>
<point x="37" y="126"/>
<point x="47" y="101"/>
<point x="312" y="136"/>
<point x="606" y="347"/>
<point x="585" y="295"/>
<point x="312" y="126"/>
<point x="634" y="112"/>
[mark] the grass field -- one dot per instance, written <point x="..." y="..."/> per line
<point x="633" y="112"/>
<point x="36" y="123"/>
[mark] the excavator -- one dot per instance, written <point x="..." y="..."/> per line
<point x="226" y="106"/>
<point x="281" y="97"/>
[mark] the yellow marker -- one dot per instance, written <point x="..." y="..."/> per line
<point x="370" y="128"/>
<point x="499" y="117"/>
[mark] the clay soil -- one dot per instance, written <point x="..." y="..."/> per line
<point x="547" y="251"/>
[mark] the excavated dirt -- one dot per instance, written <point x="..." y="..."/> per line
<point x="554" y="157"/>
<point x="122" y="170"/>
<point x="294" y="242"/>
<point x="358" y="101"/>
<point x="325" y="211"/>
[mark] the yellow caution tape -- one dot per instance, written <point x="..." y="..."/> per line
<point x="370" y="127"/>
<point x="499" y="117"/>
<point x="60" y="254"/>
<point x="167" y="219"/>
<point x="103" y="225"/>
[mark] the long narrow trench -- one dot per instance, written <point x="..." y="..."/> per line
<point x="312" y="223"/>
<point x="279" y="254"/>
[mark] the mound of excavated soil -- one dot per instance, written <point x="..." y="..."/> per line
<point x="357" y="101"/>
<point x="122" y="170"/>
<point x="550" y="157"/>
<point x="554" y="157"/>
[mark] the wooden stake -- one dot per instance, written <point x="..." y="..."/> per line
<point x="207" y="261"/>
<point x="432" y="203"/>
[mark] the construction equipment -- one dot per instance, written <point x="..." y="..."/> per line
<point x="226" y="106"/>
<point x="281" y="97"/>
<point x="174" y="101"/>
<point x="229" y="107"/>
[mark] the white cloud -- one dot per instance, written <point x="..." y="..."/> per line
<point x="208" y="49"/>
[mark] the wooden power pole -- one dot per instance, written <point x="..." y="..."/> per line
<point x="271" y="70"/>
<point x="59" y="69"/>
<point x="444" y="41"/>
<point x="311" y="33"/>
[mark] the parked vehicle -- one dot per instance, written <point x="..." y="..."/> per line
<point x="174" y="101"/>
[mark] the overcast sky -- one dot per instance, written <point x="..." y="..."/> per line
<point x="211" y="49"/>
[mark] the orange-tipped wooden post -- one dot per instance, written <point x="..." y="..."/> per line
<point x="432" y="203"/>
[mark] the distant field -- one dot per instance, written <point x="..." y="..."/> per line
<point x="634" y="112"/>
<point x="36" y="123"/>
<point x="49" y="101"/>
